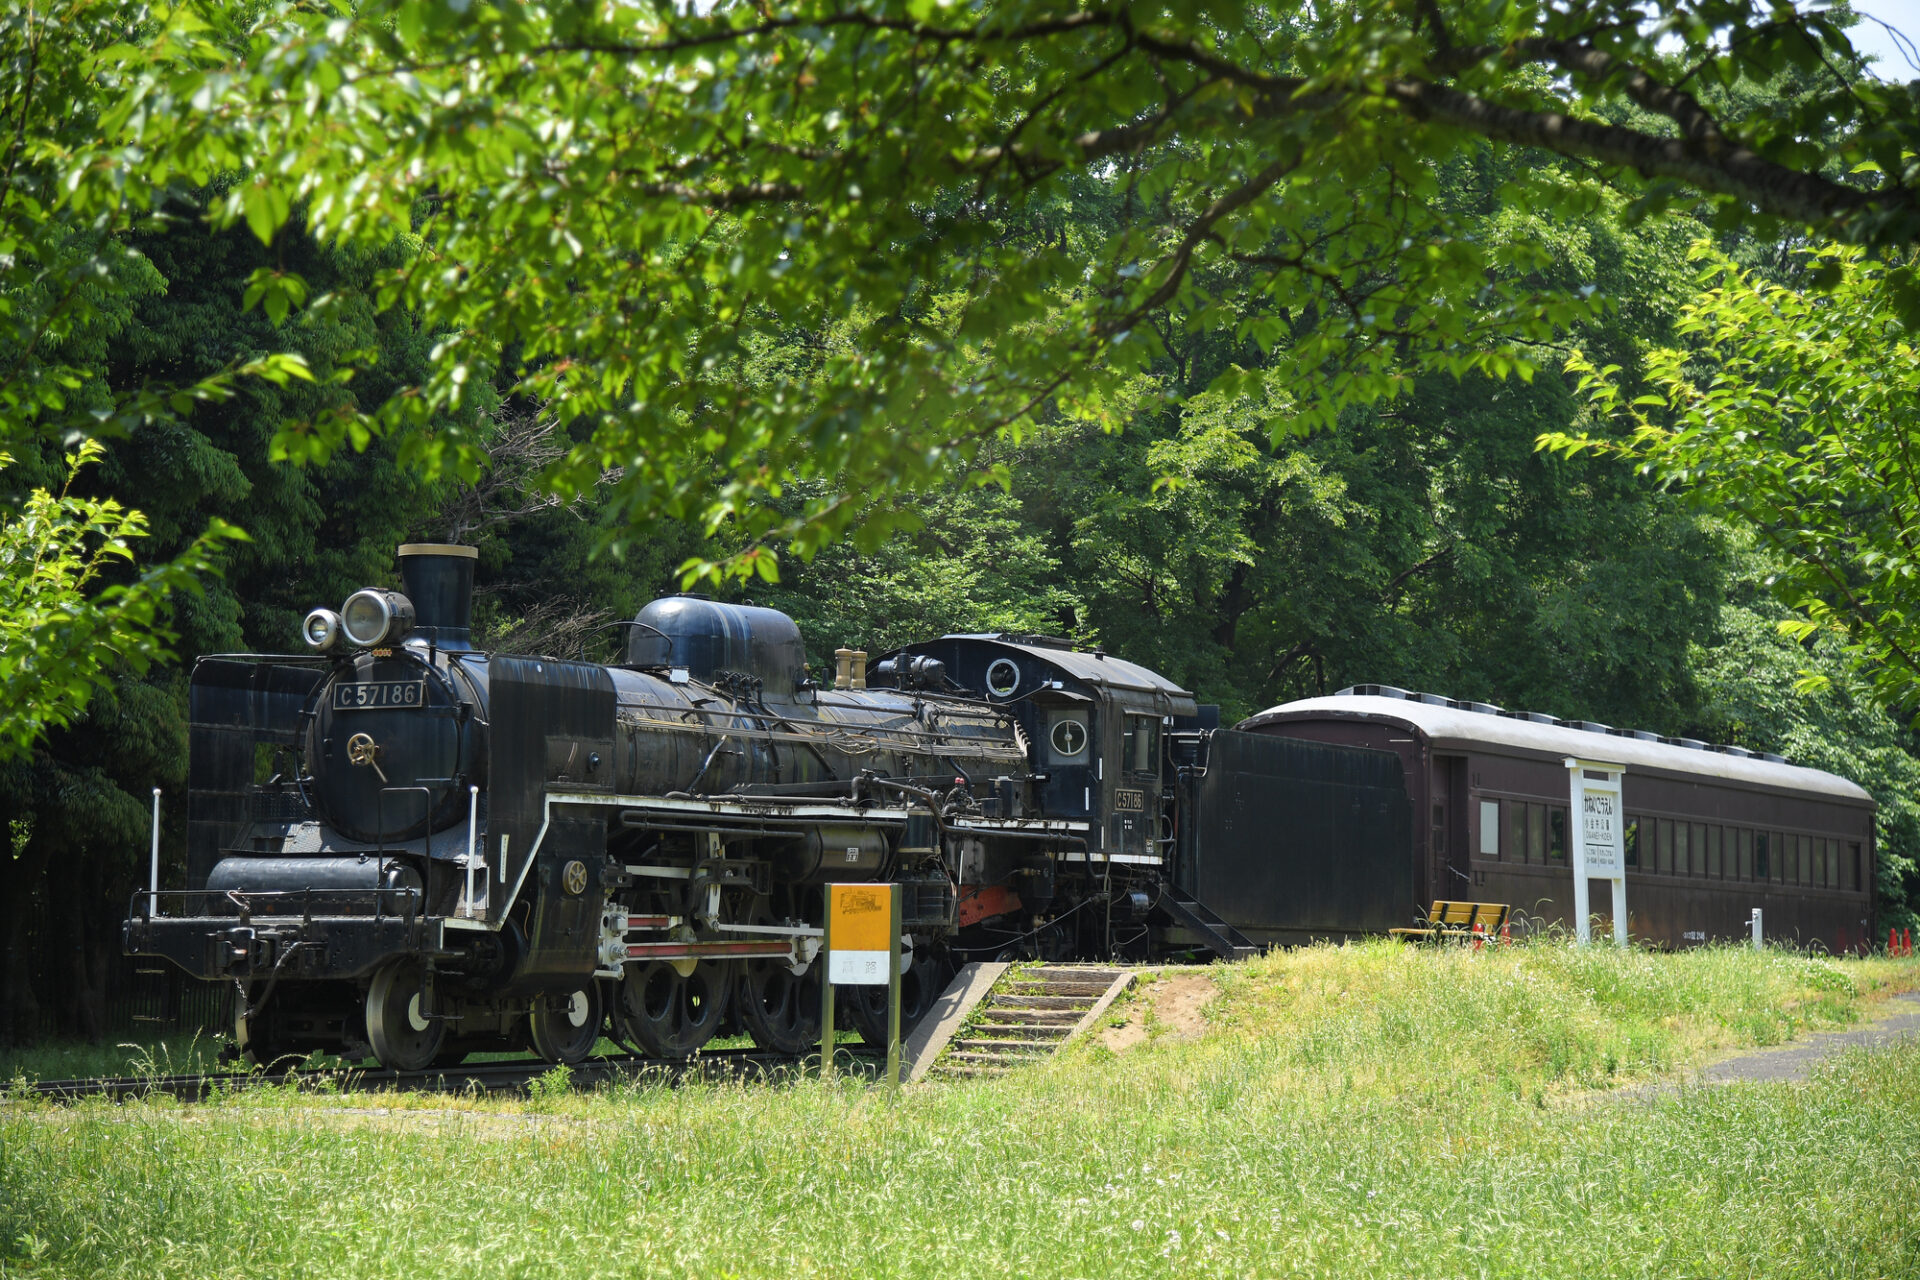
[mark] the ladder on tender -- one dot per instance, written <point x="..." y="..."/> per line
<point x="1024" y="1015"/>
<point x="1219" y="937"/>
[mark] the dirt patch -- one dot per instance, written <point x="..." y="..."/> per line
<point x="1169" y="1009"/>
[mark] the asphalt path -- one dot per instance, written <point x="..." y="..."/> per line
<point x="1790" y="1063"/>
<point x="1898" y="1020"/>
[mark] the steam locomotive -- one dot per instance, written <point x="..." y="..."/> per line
<point x="399" y="844"/>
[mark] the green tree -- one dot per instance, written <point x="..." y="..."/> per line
<point x="614" y="205"/>
<point x="1753" y="691"/>
<point x="64" y="635"/>
<point x="1796" y="411"/>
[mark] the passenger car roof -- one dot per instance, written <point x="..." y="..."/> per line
<point x="1457" y="727"/>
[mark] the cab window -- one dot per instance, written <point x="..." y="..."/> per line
<point x="1067" y="737"/>
<point x="1139" y="745"/>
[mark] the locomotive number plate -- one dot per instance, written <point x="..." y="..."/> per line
<point x="379" y="693"/>
<point x="1124" y="798"/>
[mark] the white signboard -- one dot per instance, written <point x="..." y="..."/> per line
<point x="1598" y="842"/>
<point x="1600" y="831"/>
<point x="857" y="968"/>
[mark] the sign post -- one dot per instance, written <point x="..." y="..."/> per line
<point x="1598" y="837"/>
<point x="862" y="949"/>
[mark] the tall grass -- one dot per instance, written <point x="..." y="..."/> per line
<point x="1361" y="1111"/>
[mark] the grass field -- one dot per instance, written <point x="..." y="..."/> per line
<point x="1361" y="1111"/>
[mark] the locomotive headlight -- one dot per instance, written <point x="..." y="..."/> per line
<point x="375" y="617"/>
<point x="322" y="629"/>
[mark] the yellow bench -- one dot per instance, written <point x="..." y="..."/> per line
<point x="1458" y="920"/>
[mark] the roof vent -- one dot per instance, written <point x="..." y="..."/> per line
<point x="1691" y="744"/>
<point x="1372" y="691"/>
<point x="1773" y="758"/>
<point x="1591" y="726"/>
<point x="1645" y="735"/>
<point x="1741" y="752"/>
<point x="1532" y="717"/>
<point x="1434" y="700"/>
<point x="1484" y="708"/>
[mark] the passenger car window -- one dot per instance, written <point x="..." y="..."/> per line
<point x="1489" y="828"/>
<point x="1557" y="833"/>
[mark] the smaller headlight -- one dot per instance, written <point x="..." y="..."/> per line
<point x="322" y="629"/>
<point x="375" y="617"/>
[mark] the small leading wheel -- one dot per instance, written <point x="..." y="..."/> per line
<point x="402" y="1039"/>
<point x="565" y="1026"/>
<point x="920" y="986"/>
<point x="670" y="1014"/>
<point x="253" y="1037"/>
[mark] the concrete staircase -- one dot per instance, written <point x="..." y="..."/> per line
<point x="1028" y="1013"/>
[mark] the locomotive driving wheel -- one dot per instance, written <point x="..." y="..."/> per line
<point x="920" y="986"/>
<point x="564" y="1026"/>
<point x="670" y="1014"/>
<point x="403" y="1038"/>
<point x="779" y="1008"/>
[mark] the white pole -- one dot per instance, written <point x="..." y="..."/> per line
<point x="473" y="830"/>
<point x="153" y="874"/>
<point x="1757" y="944"/>
<point x="1576" y="837"/>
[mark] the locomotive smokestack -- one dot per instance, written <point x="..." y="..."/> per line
<point x="438" y="578"/>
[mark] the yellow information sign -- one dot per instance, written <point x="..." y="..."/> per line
<point x="859" y="927"/>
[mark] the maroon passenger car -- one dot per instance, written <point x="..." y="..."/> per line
<point x="1712" y="832"/>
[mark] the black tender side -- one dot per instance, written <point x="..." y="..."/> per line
<point x="1293" y="840"/>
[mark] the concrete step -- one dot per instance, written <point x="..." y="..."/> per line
<point x="1035" y="1017"/>
<point x="1039" y="1033"/>
<point x="1072" y="973"/>
<point x="1026" y="1018"/>
<point x="1088" y="990"/>
<point x="1082" y="1003"/>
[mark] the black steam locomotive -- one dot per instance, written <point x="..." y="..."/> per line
<point x="402" y="845"/>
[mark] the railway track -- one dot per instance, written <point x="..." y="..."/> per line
<point x="479" y="1077"/>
